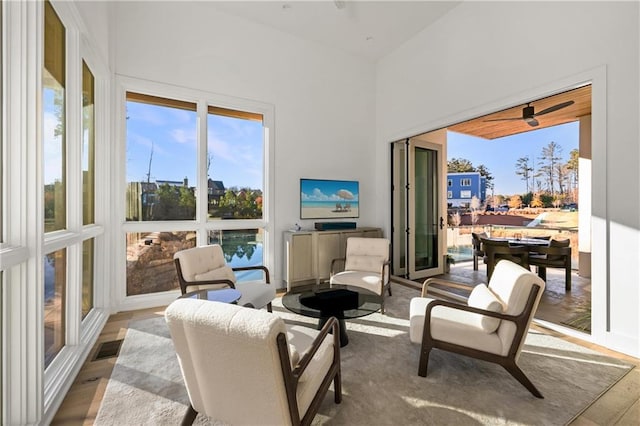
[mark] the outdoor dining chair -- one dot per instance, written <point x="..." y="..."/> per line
<point x="476" y="241"/>
<point x="556" y="255"/>
<point x="496" y="250"/>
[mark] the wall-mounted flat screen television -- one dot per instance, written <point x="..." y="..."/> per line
<point x="329" y="199"/>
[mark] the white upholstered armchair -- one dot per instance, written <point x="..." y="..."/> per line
<point x="366" y="265"/>
<point x="205" y="268"/>
<point x="492" y="326"/>
<point x="245" y="367"/>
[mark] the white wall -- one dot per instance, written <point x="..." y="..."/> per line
<point x="95" y="16"/>
<point x="323" y="99"/>
<point x="482" y="57"/>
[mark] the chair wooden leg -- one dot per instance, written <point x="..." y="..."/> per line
<point x="424" y="361"/>
<point x="189" y="416"/>
<point x="337" y="388"/>
<point x="389" y="287"/>
<point x="567" y="279"/>
<point x="269" y="307"/>
<point x="522" y="378"/>
<point x="475" y="262"/>
<point x="542" y="273"/>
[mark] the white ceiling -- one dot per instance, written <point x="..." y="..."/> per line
<point x="371" y="29"/>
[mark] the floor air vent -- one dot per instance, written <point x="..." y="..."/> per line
<point x="108" y="349"/>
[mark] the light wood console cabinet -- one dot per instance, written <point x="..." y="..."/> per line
<point x="308" y="254"/>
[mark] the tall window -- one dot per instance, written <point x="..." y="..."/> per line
<point x="88" y="183"/>
<point x="235" y="179"/>
<point x="161" y="158"/>
<point x="162" y="164"/>
<point x="88" y="145"/>
<point x="161" y="183"/>
<point x="48" y="254"/>
<point x="465" y="182"/>
<point x="235" y="172"/>
<point x="53" y="105"/>
<point x="54" y="161"/>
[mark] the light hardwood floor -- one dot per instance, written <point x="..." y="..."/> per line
<point x="620" y="405"/>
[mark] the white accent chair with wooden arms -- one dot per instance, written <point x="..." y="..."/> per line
<point x="205" y="267"/>
<point x="366" y="265"/>
<point x="243" y="366"/>
<point x="492" y="326"/>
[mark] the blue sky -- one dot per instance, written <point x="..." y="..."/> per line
<point x="235" y="146"/>
<point x="500" y="155"/>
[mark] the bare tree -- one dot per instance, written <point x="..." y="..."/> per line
<point x="209" y="161"/>
<point x="550" y="158"/>
<point x="562" y="172"/>
<point x="524" y="169"/>
<point x="150" y="160"/>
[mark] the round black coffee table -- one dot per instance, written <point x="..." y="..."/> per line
<point x="340" y="301"/>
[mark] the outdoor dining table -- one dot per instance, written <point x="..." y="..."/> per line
<point x="515" y="250"/>
<point x="528" y="242"/>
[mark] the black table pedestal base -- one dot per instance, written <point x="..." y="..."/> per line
<point x="342" y="329"/>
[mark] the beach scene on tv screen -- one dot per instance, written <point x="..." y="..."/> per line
<point x="325" y="199"/>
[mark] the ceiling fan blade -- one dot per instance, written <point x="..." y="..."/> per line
<point x="532" y="122"/>
<point x="504" y="119"/>
<point x="554" y="108"/>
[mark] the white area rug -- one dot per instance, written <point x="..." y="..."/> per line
<point x="381" y="385"/>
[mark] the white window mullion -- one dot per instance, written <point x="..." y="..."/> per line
<point x="103" y="278"/>
<point x="202" y="187"/>
<point x="268" y="207"/>
<point x="73" y="128"/>
<point x="23" y="359"/>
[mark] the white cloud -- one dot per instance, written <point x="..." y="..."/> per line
<point x="183" y="136"/>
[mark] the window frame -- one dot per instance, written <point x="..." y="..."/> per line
<point x="32" y="394"/>
<point x="204" y="100"/>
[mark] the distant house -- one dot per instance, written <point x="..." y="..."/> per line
<point x="216" y="190"/>
<point x="462" y="187"/>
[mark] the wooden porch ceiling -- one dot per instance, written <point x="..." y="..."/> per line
<point x="497" y="129"/>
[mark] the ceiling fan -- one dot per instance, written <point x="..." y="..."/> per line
<point x="529" y="115"/>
